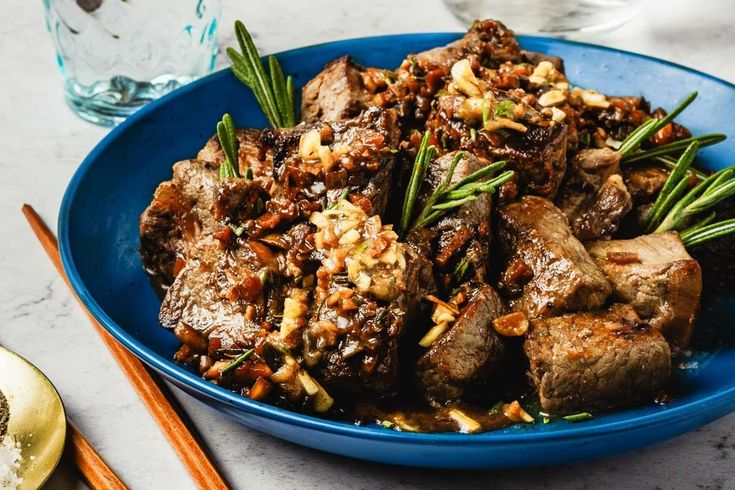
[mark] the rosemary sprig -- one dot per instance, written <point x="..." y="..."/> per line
<point x="446" y="197"/>
<point x="703" y="197"/>
<point x="673" y="188"/>
<point x="423" y="157"/>
<point x="275" y="93"/>
<point x="700" y="234"/>
<point x="578" y="417"/>
<point x="667" y="149"/>
<point x="651" y="127"/>
<point x="233" y="365"/>
<point x="228" y="141"/>
<point x="670" y="163"/>
<point x="461" y="269"/>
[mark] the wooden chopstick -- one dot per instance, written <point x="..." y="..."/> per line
<point x="93" y="468"/>
<point x="190" y="451"/>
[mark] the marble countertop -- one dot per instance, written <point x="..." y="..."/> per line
<point x="42" y="143"/>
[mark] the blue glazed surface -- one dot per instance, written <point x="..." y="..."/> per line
<point x="98" y="235"/>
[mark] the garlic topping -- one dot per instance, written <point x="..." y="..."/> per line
<point x="311" y="149"/>
<point x="465" y="79"/>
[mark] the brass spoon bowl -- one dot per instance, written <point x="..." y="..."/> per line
<point x="37" y="419"/>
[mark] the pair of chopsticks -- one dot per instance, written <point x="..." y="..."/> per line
<point x="94" y="470"/>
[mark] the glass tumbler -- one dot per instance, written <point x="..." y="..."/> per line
<point x="117" y="55"/>
<point x="553" y="17"/>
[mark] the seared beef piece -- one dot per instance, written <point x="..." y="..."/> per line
<point x="358" y="159"/>
<point x="341" y="91"/>
<point x="250" y="154"/>
<point x="188" y="207"/>
<point x="656" y="275"/>
<point x="547" y="270"/>
<point x="488" y="43"/>
<point x="357" y="351"/>
<point x="469" y="352"/>
<point x="596" y="360"/>
<point x="602" y="215"/>
<point x="644" y="181"/>
<point x="717" y="257"/>
<point x="594" y="197"/>
<point x="207" y="305"/>
<point x="464" y="233"/>
<point x="538" y="154"/>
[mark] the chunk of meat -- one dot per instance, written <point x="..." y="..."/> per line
<point x="661" y="281"/>
<point x="596" y="360"/>
<point x="547" y="270"/>
<point x="319" y="162"/>
<point x="470" y="351"/>
<point x="603" y="214"/>
<point x="464" y="233"/>
<point x="341" y="91"/>
<point x="188" y="207"/>
<point x="535" y="149"/>
<point x="250" y="154"/>
<point x="488" y="43"/>
<point x="213" y="294"/>
<point x="644" y="181"/>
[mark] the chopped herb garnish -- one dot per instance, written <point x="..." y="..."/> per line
<point x="342" y="197"/>
<point x="578" y="417"/>
<point x="497" y="406"/>
<point x="485" y="111"/>
<point x="504" y="108"/>
<point x="237" y="230"/>
<point x="275" y="93"/>
<point x="387" y="424"/>
<point x="228" y="141"/>
<point x="234" y="364"/>
<point x="461" y="269"/>
<point x="263" y="276"/>
<point x="473" y="134"/>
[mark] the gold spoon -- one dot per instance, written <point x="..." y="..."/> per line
<point x="37" y="420"/>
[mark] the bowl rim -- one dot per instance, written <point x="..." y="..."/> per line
<point x="711" y="404"/>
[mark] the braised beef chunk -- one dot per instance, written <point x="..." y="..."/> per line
<point x="603" y="214"/>
<point x="319" y="162"/>
<point x="489" y="43"/>
<point x="533" y="144"/>
<point x="596" y="360"/>
<point x="462" y="237"/>
<point x="644" y="181"/>
<point x="468" y="352"/>
<point x="341" y="91"/>
<point x="717" y="257"/>
<point x="547" y="269"/>
<point x="656" y="275"/>
<point x="594" y="197"/>
<point x="250" y="154"/>
<point x="368" y="293"/>
<point x="215" y="302"/>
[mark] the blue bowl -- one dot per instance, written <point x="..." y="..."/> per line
<point x="98" y="231"/>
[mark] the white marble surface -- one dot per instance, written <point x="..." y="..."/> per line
<point x="42" y="142"/>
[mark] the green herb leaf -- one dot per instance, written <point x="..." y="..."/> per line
<point x="680" y="145"/>
<point x="651" y="127"/>
<point x="275" y="93"/>
<point x="228" y="140"/>
<point x="696" y="235"/>
<point x="578" y="417"/>
<point x="461" y="269"/>
<point x="423" y="156"/>
<point x="234" y="364"/>
<point x="237" y="230"/>
<point x="504" y="108"/>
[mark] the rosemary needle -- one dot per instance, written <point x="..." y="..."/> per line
<point x="228" y="140"/>
<point x="234" y="364"/>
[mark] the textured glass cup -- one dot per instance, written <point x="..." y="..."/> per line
<point x="553" y="17"/>
<point x="117" y="55"/>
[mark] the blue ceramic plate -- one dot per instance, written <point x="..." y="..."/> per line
<point x="98" y="231"/>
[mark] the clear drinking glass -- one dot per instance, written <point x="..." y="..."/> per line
<point x="117" y="55"/>
<point x="552" y="17"/>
